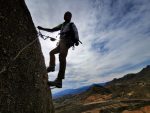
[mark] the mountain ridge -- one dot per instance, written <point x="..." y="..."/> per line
<point x="129" y="77"/>
<point x="123" y="94"/>
<point x="74" y="91"/>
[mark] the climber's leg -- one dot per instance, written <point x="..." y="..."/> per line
<point x="62" y="59"/>
<point x="52" y="53"/>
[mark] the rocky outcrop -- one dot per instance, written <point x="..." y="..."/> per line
<point x="23" y="77"/>
<point x="145" y="109"/>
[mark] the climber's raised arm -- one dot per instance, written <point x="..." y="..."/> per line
<point x="57" y="28"/>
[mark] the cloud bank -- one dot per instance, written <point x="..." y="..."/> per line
<point x="115" y="36"/>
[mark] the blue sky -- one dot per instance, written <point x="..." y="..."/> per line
<point x="115" y="36"/>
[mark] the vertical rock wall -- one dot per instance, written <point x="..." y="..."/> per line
<point x="23" y="77"/>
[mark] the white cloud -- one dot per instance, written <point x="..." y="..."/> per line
<point x="123" y="25"/>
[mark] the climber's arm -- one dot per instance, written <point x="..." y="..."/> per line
<point x="57" y="28"/>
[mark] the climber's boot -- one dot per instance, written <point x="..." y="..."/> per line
<point x="57" y="83"/>
<point x="50" y="69"/>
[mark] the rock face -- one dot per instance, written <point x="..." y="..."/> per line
<point x="23" y="77"/>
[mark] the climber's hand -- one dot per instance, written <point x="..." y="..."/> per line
<point x="76" y="43"/>
<point x="39" y="27"/>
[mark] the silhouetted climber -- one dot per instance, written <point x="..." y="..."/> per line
<point x="68" y="37"/>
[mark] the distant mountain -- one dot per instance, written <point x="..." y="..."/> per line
<point x="142" y="76"/>
<point x="132" y="85"/>
<point x="74" y="91"/>
<point x="92" y="93"/>
<point x="127" y="93"/>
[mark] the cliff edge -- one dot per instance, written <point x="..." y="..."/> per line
<point x="23" y="76"/>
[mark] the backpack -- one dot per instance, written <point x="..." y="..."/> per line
<point x="73" y="39"/>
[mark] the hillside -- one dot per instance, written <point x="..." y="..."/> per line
<point x="93" y="90"/>
<point x="140" y="77"/>
<point x="74" y="91"/>
<point x="130" y="92"/>
<point x="132" y="85"/>
<point x="92" y="94"/>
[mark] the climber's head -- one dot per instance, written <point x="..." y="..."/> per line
<point x="67" y="16"/>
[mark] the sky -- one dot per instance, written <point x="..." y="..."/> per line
<point x="115" y="36"/>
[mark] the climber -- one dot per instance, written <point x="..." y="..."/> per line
<point x="68" y="38"/>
